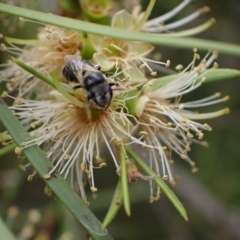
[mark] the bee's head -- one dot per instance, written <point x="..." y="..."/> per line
<point x="101" y="94"/>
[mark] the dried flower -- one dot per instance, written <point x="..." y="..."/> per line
<point x="45" y="54"/>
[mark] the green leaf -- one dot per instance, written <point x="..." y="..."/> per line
<point x="211" y="76"/>
<point x="7" y="149"/>
<point x="63" y="91"/>
<point x="146" y="15"/>
<point x="87" y="27"/>
<point x="57" y="184"/>
<point x="53" y="82"/>
<point x="123" y="178"/>
<point x="168" y="192"/>
<point x="5" y="233"/>
<point x="5" y="137"/>
<point x="115" y="205"/>
<point x="34" y="72"/>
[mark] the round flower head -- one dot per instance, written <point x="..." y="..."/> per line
<point x="168" y="125"/>
<point x="72" y="139"/>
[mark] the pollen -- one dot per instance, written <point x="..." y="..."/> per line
<point x="29" y="178"/>
<point x="47" y="176"/>
<point x="165" y="177"/>
<point x="20" y="159"/>
<point x="171" y="162"/>
<point x="157" y="197"/>
<point x="24" y="144"/>
<point x="168" y="64"/>
<point x="207" y="127"/>
<point x="2" y="47"/>
<point x="67" y="157"/>
<point x="151" y="199"/>
<point x="154" y="73"/>
<point x="94" y="189"/>
<point x="52" y="149"/>
<point x="4" y="94"/>
<point x="22" y="167"/>
<point x="102" y="165"/>
<point x="18" y="150"/>
<point x="82" y="167"/>
<point x="143" y="133"/>
<point x="194" y="170"/>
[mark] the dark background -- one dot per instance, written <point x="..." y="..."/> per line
<point x="211" y="196"/>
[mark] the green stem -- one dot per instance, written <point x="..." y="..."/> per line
<point x="87" y="27"/>
<point x="20" y="41"/>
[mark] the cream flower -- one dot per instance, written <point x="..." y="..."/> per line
<point x="114" y="53"/>
<point x="150" y="116"/>
<point x="168" y="125"/>
<point x="70" y="139"/>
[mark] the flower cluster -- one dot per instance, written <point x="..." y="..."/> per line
<point x="144" y="113"/>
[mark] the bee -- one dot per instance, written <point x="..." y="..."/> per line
<point x="90" y="78"/>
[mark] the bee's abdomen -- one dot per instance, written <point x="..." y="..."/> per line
<point x="69" y="74"/>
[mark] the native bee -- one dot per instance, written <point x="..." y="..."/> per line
<point x="90" y="78"/>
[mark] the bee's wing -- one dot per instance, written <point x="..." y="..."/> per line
<point x="73" y="62"/>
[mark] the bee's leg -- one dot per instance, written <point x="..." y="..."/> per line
<point x="111" y="74"/>
<point x="113" y="84"/>
<point x="98" y="67"/>
<point x="77" y="86"/>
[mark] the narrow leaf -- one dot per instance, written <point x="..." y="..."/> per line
<point x="7" y="149"/>
<point x="5" y="233"/>
<point x="123" y="177"/>
<point x="53" y="82"/>
<point x="87" y="27"/>
<point x="115" y="205"/>
<point x="63" y="91"/>
<point x="57" y="184"/>
<point x="211" y="76"/>
<point x="168" y="192"/>
<point x="34" y="72"/>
